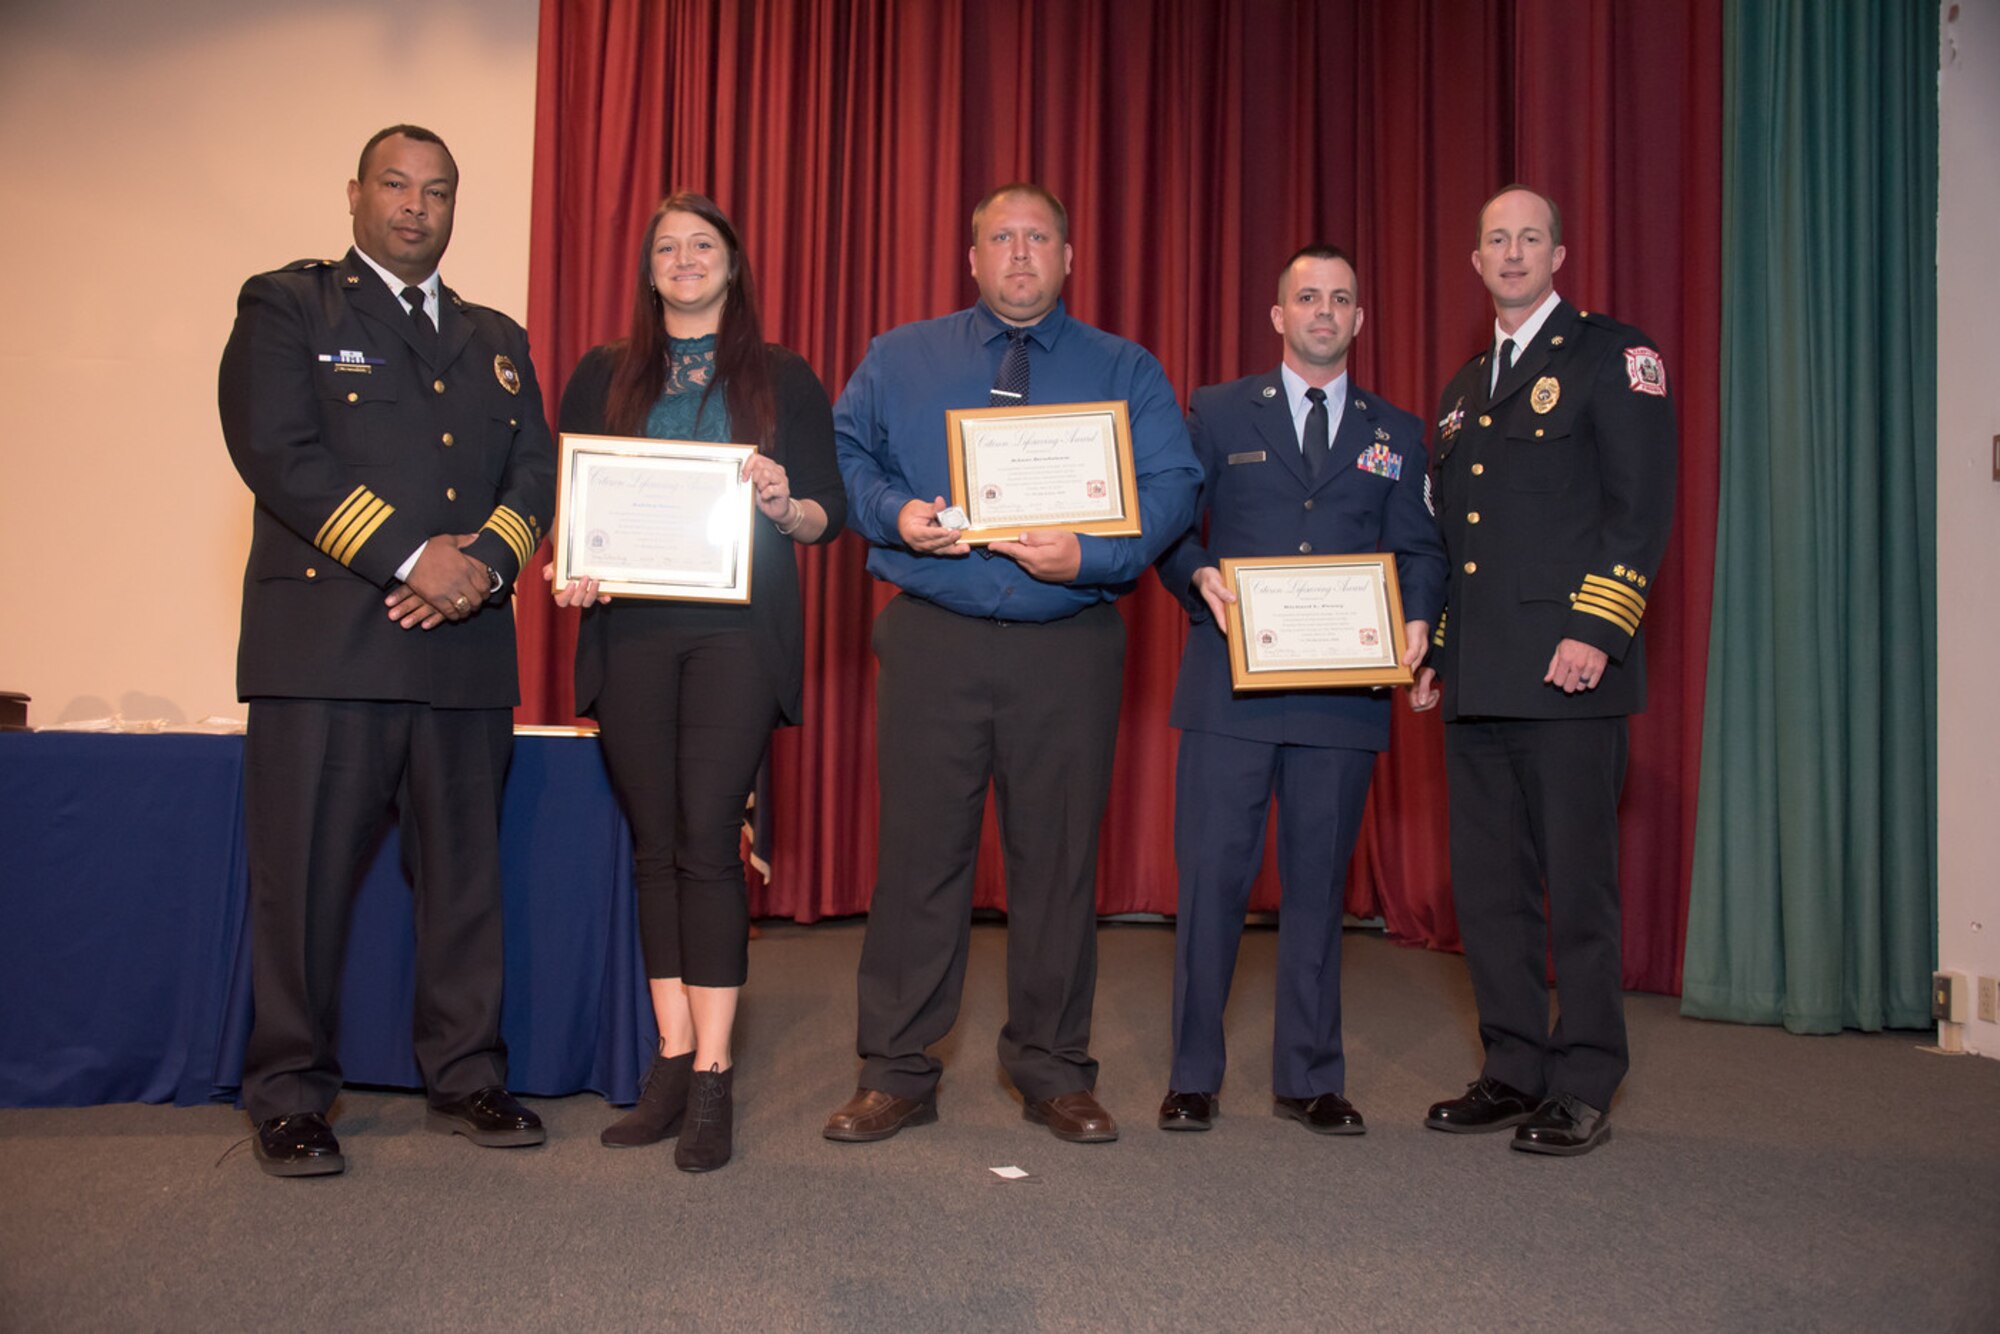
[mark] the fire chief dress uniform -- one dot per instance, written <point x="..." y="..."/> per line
<point x="361" y="437"/>
<point x="1555" y="496"/>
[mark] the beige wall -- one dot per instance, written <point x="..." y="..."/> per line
<point x="155" y="156"/>
<point x="1968" y="529"/>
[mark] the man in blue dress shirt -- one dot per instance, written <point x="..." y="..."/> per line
<point x="1003" y="666"/>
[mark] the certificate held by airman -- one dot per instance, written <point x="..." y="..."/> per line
<point x="1300" y="622"/>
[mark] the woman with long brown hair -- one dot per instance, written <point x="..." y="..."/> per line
<point x="686" y="693"/>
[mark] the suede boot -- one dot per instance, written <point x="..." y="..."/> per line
<point x="662" y="1101"/>
<point x="711" y="1114"/>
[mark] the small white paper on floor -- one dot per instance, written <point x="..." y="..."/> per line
<point x="1012" y="1174"/>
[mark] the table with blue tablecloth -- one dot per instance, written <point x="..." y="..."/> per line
<point x="125" y="951"/>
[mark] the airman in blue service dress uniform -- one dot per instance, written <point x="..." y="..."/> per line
<point x="1555" y="463"/>
<point x="394" y="439"/>
<point x="1280" y="477"/>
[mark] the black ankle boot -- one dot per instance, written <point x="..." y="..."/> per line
<point x="662" y="1100"/>
<point x="708" y="1139"/>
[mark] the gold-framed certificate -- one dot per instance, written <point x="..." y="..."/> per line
<point x="655" y="518"/>
<point x="1305" y="621"/>
<point x="1062" y="465"/>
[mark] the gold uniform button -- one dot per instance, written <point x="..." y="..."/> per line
<point x="1485" y="421"/>
<point x="1478" y="469"/>
<point x="1305" y="548"/>
<point x="447" y="439"/>
<point x="354" y="398"/>
<point x="451" y="493"/>
<point x="1538" y="433"/>
<point x="1472" y="567"/>
<point x="513" y="421"/>
<point x="1309" y="504"/>
<point x="311" y="573"/>
<point x="437" y="386"/>
<point x="1472" y="517"/>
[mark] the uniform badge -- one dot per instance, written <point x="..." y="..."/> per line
<point x="1542" y="398"/>
<point x="1452" y="421"/>
<point x="504" y="372"/>
<point x="1644" y="370"/>
<point x="1269" y="392"/>
<point x="1382" y="461"/>
<point x="1381" y="434"/>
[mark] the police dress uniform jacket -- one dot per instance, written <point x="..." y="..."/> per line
<point x="361" y="439"/>
<point x="801" y="440"/>
<point x="1556" y="495"/>
<point x="1258" y="501"/>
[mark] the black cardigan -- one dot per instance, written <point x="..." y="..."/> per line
<point x="803" y="442"/>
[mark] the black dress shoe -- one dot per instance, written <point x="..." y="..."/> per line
<point x="1187" y="1111"/>
<point x="1565" y="1125"/>
<point x="298" y="1146"/>
<point x="1487" y="1105"/>
<point x="1077" y="1117"/>
<point x="1328" y="1114"/>
<point x="492" y="1118"/>
<point x="872" y="1114"/>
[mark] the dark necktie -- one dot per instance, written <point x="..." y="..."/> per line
<point x="1506" y="361"/>
<point x="1010" y="387"/>
<point x="420" y="318"/>
<point x="1316" y="446"/>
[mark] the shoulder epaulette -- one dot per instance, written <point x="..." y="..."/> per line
<point x="306" y="265"/>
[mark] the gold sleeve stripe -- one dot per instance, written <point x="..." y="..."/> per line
<point x="1437" y="635"/>
<point x="513" y="532"/>
<point x="503" y="514"/>
<point x="1617" y="615"/>
<point x="360" y="539"/>
<point x="1616" y="592"/>
<point x="353" y="524"/>
<point x="360" y="495"/>
<point x="347" y="539"/>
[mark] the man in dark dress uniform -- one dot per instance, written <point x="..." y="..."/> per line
<point x="1555" y="450"/>
<point x="1296" y="461"/>
<point x="393" y="437"/>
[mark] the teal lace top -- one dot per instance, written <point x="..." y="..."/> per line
<point x="690" y="368"/>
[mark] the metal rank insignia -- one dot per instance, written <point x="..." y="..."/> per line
<point x="1544" y="395"/>
<point x="1453" y="420"/>
<point x="504" y="372"/>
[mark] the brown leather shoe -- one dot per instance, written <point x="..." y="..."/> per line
<point x="872" y="1114"/>
<point x="1076" y="1117"/>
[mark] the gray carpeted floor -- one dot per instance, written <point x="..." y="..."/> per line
<point x="1757" y="1181"/>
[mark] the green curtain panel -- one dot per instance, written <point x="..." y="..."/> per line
<point x="1814" y="895"/>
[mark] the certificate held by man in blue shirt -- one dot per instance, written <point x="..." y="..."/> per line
<point x="1001" y="666"/>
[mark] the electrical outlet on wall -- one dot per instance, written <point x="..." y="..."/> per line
<point x="1989" y="1000"/>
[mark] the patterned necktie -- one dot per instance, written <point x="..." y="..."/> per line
<point x="1010" y="387"/>
<point x="1317" y="448"/>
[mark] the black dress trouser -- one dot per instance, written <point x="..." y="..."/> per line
<point x="321" y="778"/>
<point x="1534" y="810"/>
<point x="1032" y="707"/>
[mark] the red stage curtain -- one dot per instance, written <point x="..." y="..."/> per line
<point x="1196" y="144"/>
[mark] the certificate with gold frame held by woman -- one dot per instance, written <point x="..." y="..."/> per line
<point x="655" y="518"/>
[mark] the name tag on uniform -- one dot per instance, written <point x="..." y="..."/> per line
<point x="1249" y="456"/>
<point x="358" y="363"/>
